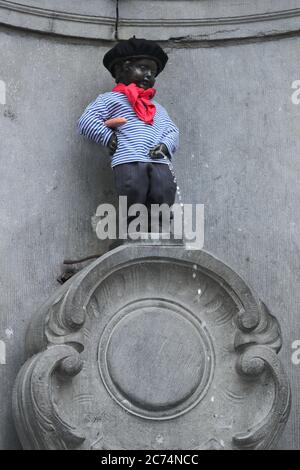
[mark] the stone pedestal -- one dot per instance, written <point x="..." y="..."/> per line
<point x="152" y="346"/>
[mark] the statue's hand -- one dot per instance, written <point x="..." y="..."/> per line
<point x="159" y="151"/>
<point x="113" y="144"/>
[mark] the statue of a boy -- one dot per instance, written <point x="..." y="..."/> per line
<point x="141" y="147"/>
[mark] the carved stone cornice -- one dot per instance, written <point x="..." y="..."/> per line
<point x="92" y="20"/>
<point x="152" y="347"/>
<point x="214" y="28"/>
<point x="161" y="20"/>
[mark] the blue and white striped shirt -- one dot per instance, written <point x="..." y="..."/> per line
<point x="135" y="138"/>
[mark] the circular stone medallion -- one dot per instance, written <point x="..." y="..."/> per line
<point x="155" y="359"/>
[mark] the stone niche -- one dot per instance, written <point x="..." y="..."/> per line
<point x="152" y="346"/>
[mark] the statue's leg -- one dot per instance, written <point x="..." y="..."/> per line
<point x="131" y="180"/>
<point x="162" y="191"/>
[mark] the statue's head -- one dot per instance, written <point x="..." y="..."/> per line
<point x="136" y="61"/>
<point x="141" y="71"/>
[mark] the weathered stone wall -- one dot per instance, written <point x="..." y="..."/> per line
<point x="231" y="99"/>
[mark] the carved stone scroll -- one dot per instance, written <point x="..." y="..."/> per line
<point x="152" y="347"/>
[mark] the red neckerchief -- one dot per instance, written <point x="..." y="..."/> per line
<point x="140" y="100"/>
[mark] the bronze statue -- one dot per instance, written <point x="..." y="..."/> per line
<point x="141" y="136"/>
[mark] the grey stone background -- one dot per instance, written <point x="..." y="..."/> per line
<point x="239" y="156"/>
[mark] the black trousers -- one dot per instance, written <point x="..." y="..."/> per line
<point x="145" y="183"/>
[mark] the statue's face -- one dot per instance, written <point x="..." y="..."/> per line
<point x="142" y="72"/>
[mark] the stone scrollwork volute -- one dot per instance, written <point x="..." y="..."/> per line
<point x="152" y="347"/>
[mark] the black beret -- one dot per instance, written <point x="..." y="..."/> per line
<point x="135" y="48"/>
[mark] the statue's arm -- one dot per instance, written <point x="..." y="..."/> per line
<point x="113" y="143"/>
<point x="91" y="123"/>
<point x="170" y="137"/>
